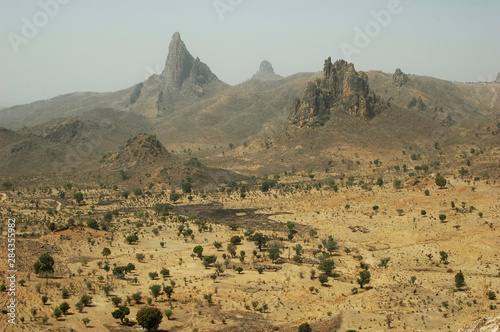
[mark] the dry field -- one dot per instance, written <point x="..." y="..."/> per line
<point x="416" y="290"/>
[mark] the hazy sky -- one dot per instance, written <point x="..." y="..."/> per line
<point x="53" y="47"/>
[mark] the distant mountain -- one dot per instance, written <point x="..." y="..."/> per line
<point x="266" y="72"/>
<point x="185" y="80"/>
<point x="190" y="108"/>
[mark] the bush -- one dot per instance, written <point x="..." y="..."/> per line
<point x="440" y="181"/>
<point x="235" y="239"/>
<point x="92" y="223"/>
<point x="149" y="318"/>
<point x="305" y="327"/>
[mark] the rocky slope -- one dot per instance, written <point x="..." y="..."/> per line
<point x="341" y="87"/>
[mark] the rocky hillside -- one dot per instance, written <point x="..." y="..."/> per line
<point x="340" y="88"/>
<point x="145" y="158"/>
<point x="140" y="151"/>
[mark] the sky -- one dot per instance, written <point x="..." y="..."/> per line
<point x="54" y="47"/>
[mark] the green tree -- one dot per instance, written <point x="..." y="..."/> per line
<point x="165" y="272"/>
<point x="86" y="300"/>
<point x="364" y="278"/>
<point x="168" y="313"/>
<point x="137" y="297"/>
<point x="459" y="280"/>
<point x="7" y="185"/>
<point x="217" y="245"/>
<point x="78" y="197"/>
<point x="274" y="253"/>
<point x="92" y="223"/>
<point x="260" y="240"/>
<point x="64" y="307"/>
<point x="330" y="244"/>
<point x="198" y="250"/>
<point x="44" y="265"/>
<point x="231" y="248"/>
<point x="380" y="182"/>
<point x="326" y="265"/>
<point x="149" y="318"/>
<point x="131" y="238"/>
<point x="186" y="187"/>
<point x="440" y="181"/>
<point x="155" y="291"/>
<point x="210" y="259"/>
<point x="174" y="196"/>
<point x="442" y="217"/>
<point x="57" y="313"/>
<point x="323" y="279"/>
<point x="169" y="290"/>
<point x="121" y="313"/>
<point x="305" y="327"/>
<point x="106" y="252"/>
<point x="79" y="306"/>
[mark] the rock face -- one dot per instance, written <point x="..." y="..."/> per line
<point x="266" y="72"/>
<point x="184" y="76"/>
<point x="340" y="88"/>
<point x="488" y="324"/>
<point x="418" y="103"/>
<point x="143" y="149"/>
<point x="65" y="132"/>
<point x="498" y="77"/>
<point x="399" y="78"/>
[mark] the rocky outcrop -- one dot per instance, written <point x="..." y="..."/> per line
<point x="144" y="149"/>
<point x="266" y="72"/>
<point x="418" y="103"/>
<point x="488" y="324"/>
<point x="399" y="78"/>
<point x="341" y="87"/>
<point x="498" y="77"/>
<point x="185" y="76"/>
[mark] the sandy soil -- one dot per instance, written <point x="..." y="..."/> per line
<point x="429" y="303"/>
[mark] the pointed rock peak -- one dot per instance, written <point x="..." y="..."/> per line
<point x="266" y="72"/>
<point x="399" y="78"/>
<point x="176" y="36"/>
<point x="266" y="67"/>
<point x="179" y="62"/>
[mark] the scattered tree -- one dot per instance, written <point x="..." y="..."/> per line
<point x="459" y="280"/>
<point x="121" y="313"/>
<point x="364" y="278"/>
<point x="155" y="291"/>
<point x="149" y="318"/>
<point x="440" y="181"/>
<point x="45" y="265"/>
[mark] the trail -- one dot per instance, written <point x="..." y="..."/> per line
<point x="4" y="196"/>
<point x="58" y="208"/>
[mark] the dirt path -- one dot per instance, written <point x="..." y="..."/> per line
<point x="58" y="208"/>
<point x="4" y="196"/>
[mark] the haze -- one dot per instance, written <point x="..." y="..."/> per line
<point x="110" y="45"/>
